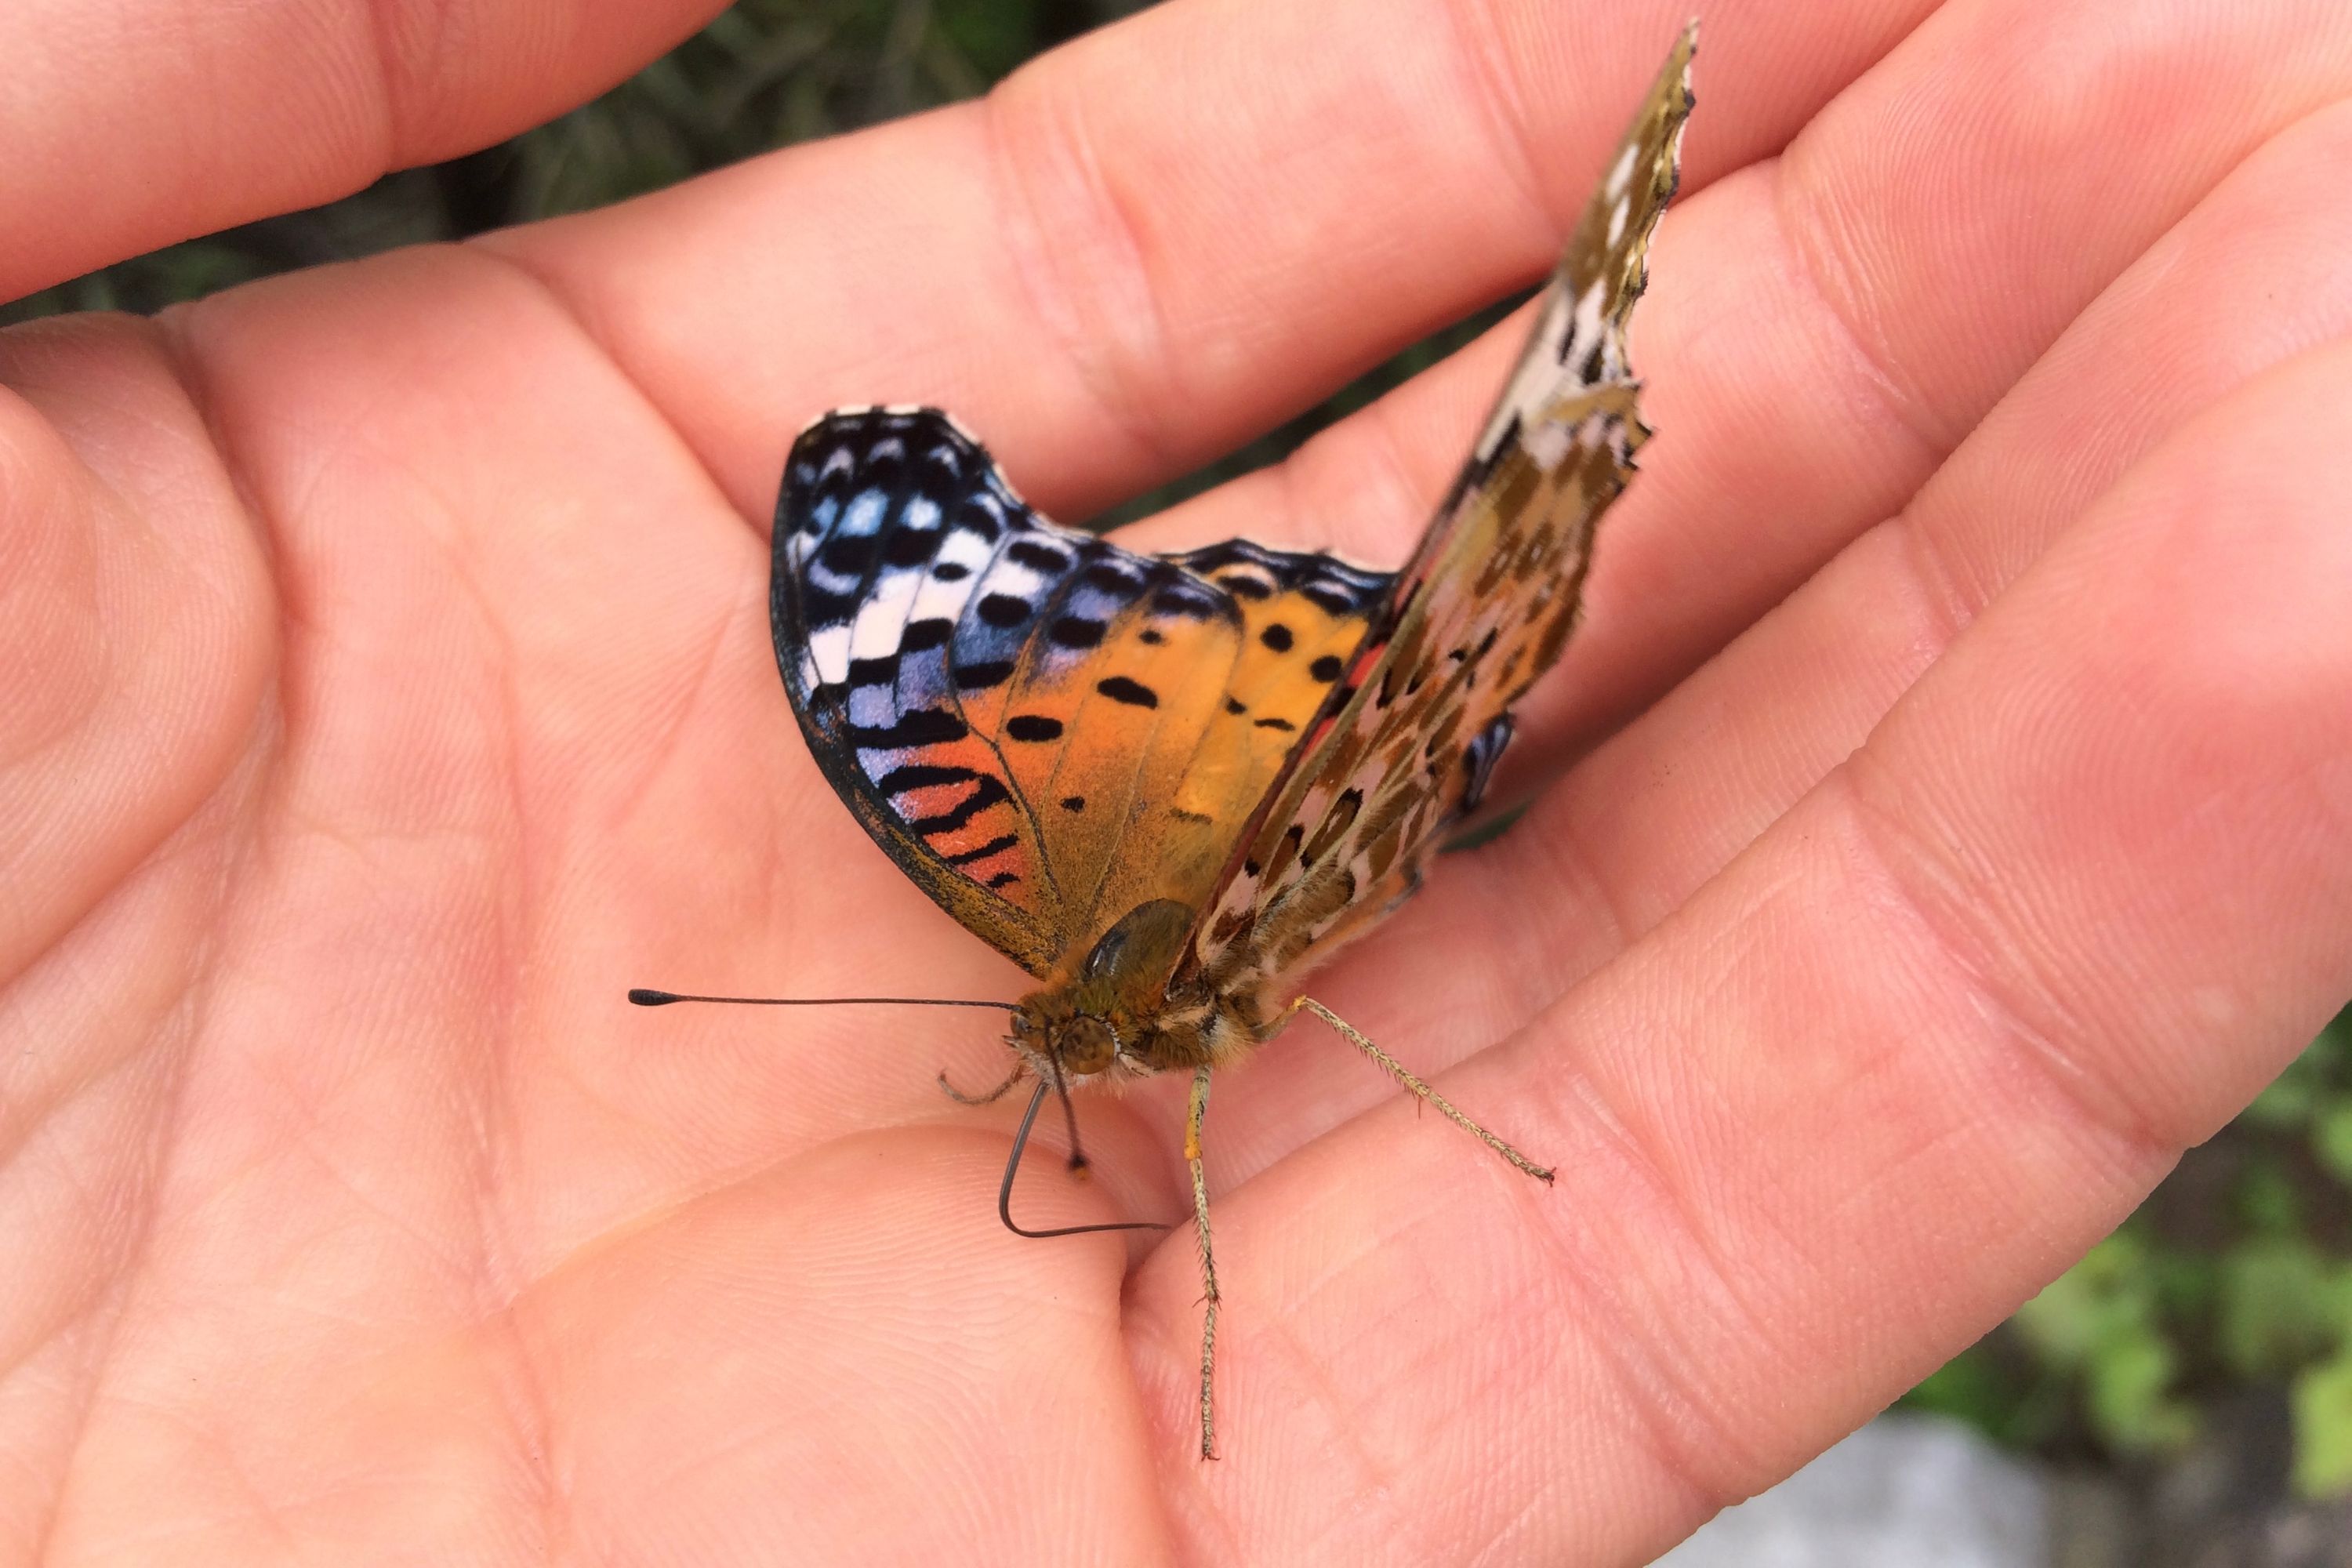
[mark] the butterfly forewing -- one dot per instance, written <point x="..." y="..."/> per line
<point x="886" y="533"/>
<point x="1483" y="607"/>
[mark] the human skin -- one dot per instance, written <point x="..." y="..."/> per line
<point x="1945" y="817"/>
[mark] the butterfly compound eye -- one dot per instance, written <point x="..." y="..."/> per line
<point x="1085" y="1044"/>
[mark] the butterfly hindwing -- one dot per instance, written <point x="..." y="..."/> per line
<point x="1044" y="730"/>
<point x="1480" y="611"/>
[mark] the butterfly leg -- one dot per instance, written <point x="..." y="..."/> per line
<point x="1405" y="1075"/>
<point x="1020" y="1070"/>
<point x="1198" y="1110"/>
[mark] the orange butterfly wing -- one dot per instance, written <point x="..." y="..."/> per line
<point x="1042" y="730"/>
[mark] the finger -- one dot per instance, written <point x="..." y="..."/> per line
<point x="133" y="123"/>
<point x="1154" y="243"/>
<point x="1939" y="1029"/>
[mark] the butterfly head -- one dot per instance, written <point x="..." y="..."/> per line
<point x="1053" y="1032"/>
<point x="1108" y="1009"/>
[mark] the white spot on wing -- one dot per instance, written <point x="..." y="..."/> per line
<point x="945" y="601"/>
<point x="1621" y="171"/>
<point x="1546" y="444"/>
<point x="1533" y="382"/>
<point x="882" y="619"/>
<point x="828" y="649"/>
<point x="1015" y="580"/>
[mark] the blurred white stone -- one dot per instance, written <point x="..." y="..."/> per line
<point x="1903" y="1492"/>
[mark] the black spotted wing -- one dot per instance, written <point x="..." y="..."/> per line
<point x="1041" y="728"/>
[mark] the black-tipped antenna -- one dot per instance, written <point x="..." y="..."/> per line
<point x="646" y="996"/>
<point x="1012" y="1168"/>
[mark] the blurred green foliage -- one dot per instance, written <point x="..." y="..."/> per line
<point x="771" y="72"/>
<point x="2237" y="1272"/>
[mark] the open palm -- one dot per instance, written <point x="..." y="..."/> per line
<point x="387" y="688"/>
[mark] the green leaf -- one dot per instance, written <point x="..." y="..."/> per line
<point x="2105" y="1294"/>
<point x="1968" y="1388"/>
<point x="2284" y="1103"/>
<point x="2331" y="1137"/>
<point x="2277" y="1311"/>
<point x="2267" y="1199"/>
<point x="2130" y="1400"/>
<point x="2099" y="1320"/>
<point x="2323" y="1427"/>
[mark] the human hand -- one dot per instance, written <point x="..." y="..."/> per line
<point x="388" y="687"/>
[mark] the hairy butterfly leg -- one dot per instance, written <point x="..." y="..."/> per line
<point x="1020" y="1070"/>
<point x="1405" y="1075"/>
<point x="1197" y="1109"/>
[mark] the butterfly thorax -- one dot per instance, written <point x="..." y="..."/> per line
<point x="1119" y="1008"/>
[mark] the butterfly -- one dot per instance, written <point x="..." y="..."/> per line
<point x="1168" y="786"/>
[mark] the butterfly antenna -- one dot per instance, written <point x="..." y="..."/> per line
<point x="1012" y="1168"/>
<point x="646" y="996"/>
<point x="1069" y="1115"/>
